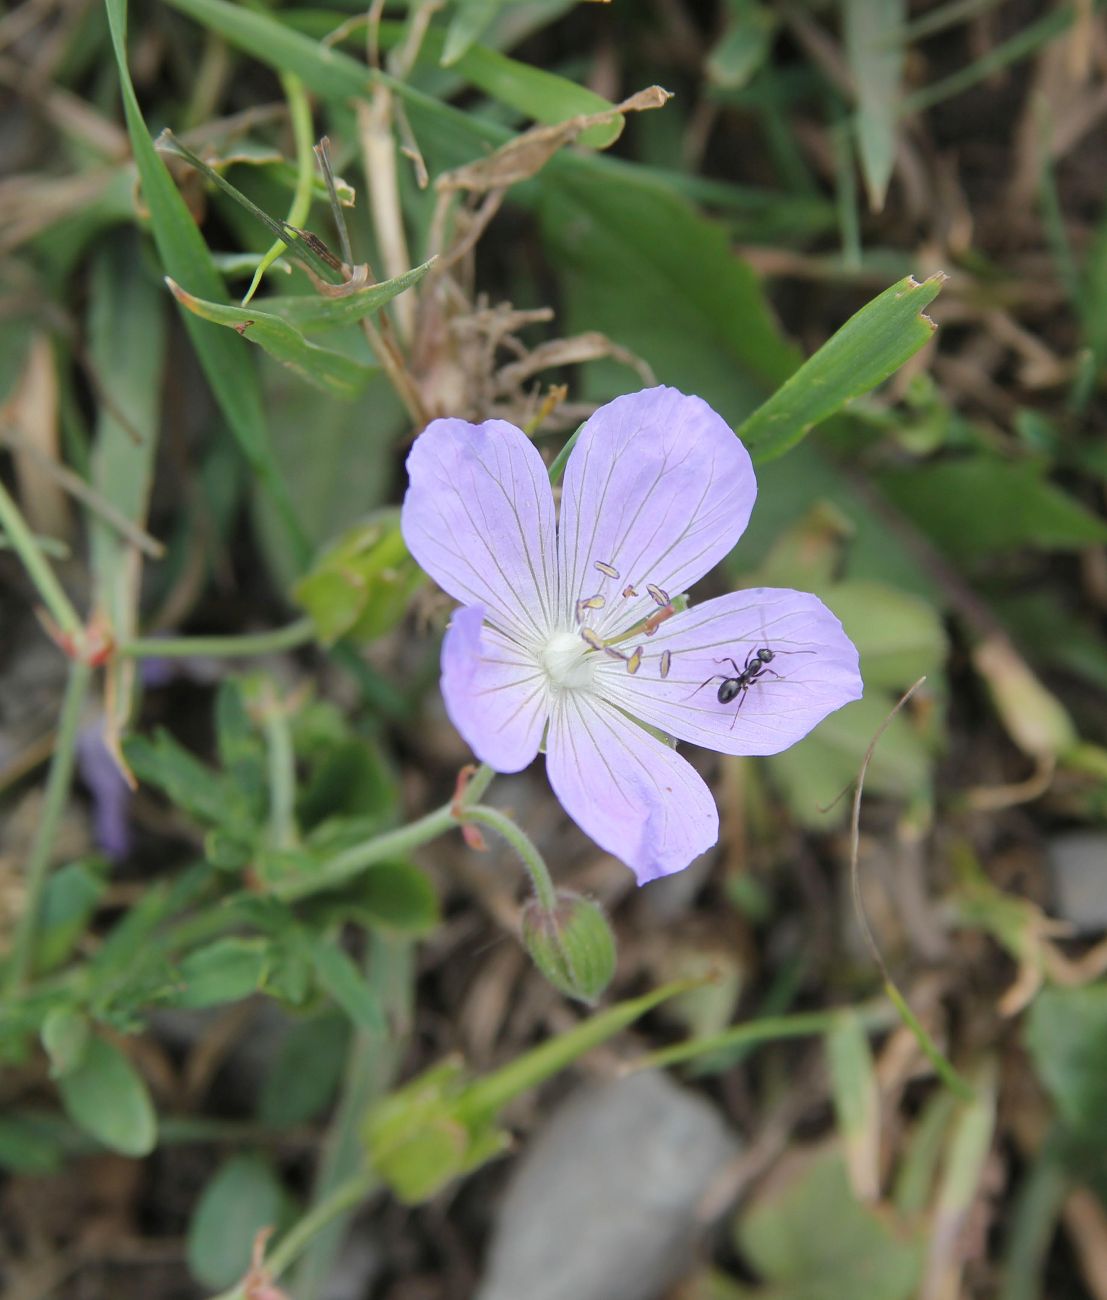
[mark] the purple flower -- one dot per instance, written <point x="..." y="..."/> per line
<point x="568" y="638"/>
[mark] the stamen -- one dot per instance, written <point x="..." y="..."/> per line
<point x="592" y="639"/>
<point x="628" y="591"/>
<point x="608" y="570"/>
<point x="656" y="619"/>
<point x="661" y="597"/>
<point x="635" y="661"/>
<point x="666" y="660"/>
<point x="589" y="602"/>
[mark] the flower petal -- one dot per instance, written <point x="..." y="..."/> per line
<point x="813" y="672"/>
<point x="495" y="695"/>
<point x="630" y="792"/>
<point x="479" y="518"/>
<point x="658" y="489"/>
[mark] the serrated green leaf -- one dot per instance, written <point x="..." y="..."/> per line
<point x="331" y="371"/>
<point x="869" y="347"/>
<point x="189" y="784"/>
<point x="106" y="1097"/>
<point x="243" y="1197"/>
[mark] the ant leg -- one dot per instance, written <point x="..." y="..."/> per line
<point x="727" y="660"/>
<point x="703" y="684"/>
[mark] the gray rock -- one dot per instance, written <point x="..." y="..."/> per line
<point x="1078" y="866"/>
<point x="602" y="1204"/>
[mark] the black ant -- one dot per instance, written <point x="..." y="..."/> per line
<point x="756" y="665"/>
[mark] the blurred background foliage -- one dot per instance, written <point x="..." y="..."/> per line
<point x="216" y="982"/>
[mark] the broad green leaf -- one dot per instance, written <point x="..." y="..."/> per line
<point x="900" y="637"/>
<point x="810" y="1239"/>
<point x="65" y="1036"/>
<point x="982" y="505"/>
<point x="640" y="264"/>
<point x="869" y="347"/>
<point x="338" y="974"/>
<point x="106" y="1097"/>
<point x="186" y="258"/>
<point x="223" y="971"/>
<point x="1067" y="1036"/>
<point x="856" y="1096"/>
<point x="470" y="19"/>
<point x="304" y="1077"/>
<point x="27" y="1146"/>
<point x="189" y="784"/>
<point x="813" y="773"/>
<point x="71" y="897"/>
<point x="127" y="344"/>
<point x="315" y="312"/>
<point x="875" y="50"/>
<point x="244" y="1196"/>
<point x="396" y="896"/>
<point x="331" y="371"/>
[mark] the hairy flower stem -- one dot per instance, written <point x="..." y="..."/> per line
<point x="302" y="632"/>
<point x="353" y="861"/>
<point x="344" y="1197"/>
<point x="524" y="846"/>
<point x="57" y="790"/>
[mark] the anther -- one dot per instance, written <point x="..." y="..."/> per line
<point x="629" y="591"/>
<point x="660" y="597"/>
<point x="591" y="638"/>
<point x="589" y="602"/>
<point x="666" y="661"/>
<point x="635" y="661"/>
<point x="608" y="570"/>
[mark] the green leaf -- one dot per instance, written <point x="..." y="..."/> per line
<point x="223" y="971"/>
<point x="813" y="773"/>
<point x="470" y="19"/>
<point x="27" y="1146"/>
<point x="65" y="1036"/>
<point x="188" y="783"/>
<point x="856" y="1096"/>
<point x="875" y="50"/>
<point x="106" y="1097"/>
<point x="243" y="1197"/>
<point x="127" y="333"/>
<point x="337" y="973"/>
<point x="397" y="896"/>
<point x="70" y="899"/>
<point x="1067" y="1037"/>
<point x="331" y="371"/>
<point x="640" y="264"/>
<point x="869" y="347"/>
<point x="744" y="46"/>
<point x="308" y="312"/>
<point x="304" y="1076"/>
<point x="981" y="505"/>
<point x="900" y="636"/>
<point x="810" y="1238"/>
<point x="186" y="258"/>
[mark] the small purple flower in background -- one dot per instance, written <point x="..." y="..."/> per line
<point x="568" y="635"/>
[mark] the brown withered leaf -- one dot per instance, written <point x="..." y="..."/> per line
<point x="527" y="154"/>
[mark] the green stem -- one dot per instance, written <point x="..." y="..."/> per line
<point x="282" y="775"/>
<point x="353" y="861"/>
<point x="345" y="1197"/>
<point x="57" y="791"/>
<point x="524" y="846"/>
<point x="295" y="634"/>
<point x="26" y="545"/>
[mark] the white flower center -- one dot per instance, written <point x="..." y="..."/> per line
<point x="569" y="663"/>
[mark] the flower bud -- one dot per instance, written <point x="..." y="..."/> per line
<point x="572" y="945"/>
